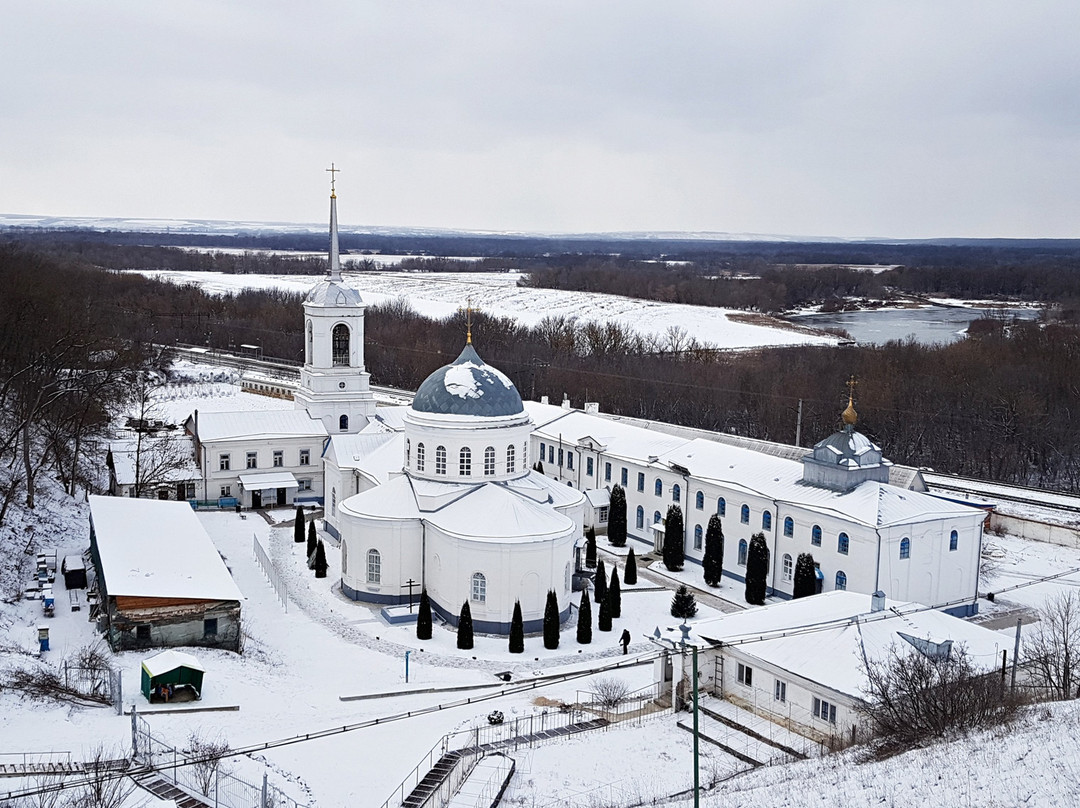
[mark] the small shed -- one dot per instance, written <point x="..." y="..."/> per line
<point x="171" y="668"/>
<point x="74" y="572"/>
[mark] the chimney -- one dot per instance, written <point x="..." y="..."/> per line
<point x="544" y="400"/>
<point x="592" y="408"/>
<point x="877" y="602"/>
<point x="565" y="401"/>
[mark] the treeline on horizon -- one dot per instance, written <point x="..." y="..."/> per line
<point x="1000" y="405"/>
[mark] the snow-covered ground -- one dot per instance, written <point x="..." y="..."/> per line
<point x="497" y="293"/>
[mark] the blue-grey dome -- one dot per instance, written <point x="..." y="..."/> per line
<point x="467" y="386"/>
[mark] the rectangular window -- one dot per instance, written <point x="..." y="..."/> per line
<point x="780" y="690"/>
<point x="589" y="466"/>
<point x="607" y="472"/>
<point x="543" y="450"/>
<point x="226" y="490"/>
<point x="551" y="454"/>
<point x="305" y="485"/>
<point x="570" y="460"/>
<point x="374" y="567"/>
<point x="641" y="481"/>
<point x="824" y="710"/>
<point x="746" y="675"/>
<point x="279" y="458"/>
<point x="602" y="514"/>
<point x="305" y="457"/>
<point x="623" y="476"/>
<point x="223" y="463"/>
<point x="561" y="456"/>
<point x="142" y="633"/>
<point x="209" y="627"/>
<point x="252" y="460"/>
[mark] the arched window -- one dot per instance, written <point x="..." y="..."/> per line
<point x="640" y="517"/>
<point x="954" y="540"/>
<point x="344" y="558"/>
<point x="419" y="457"/>
<point x="676" y="493"/>
<point x="721" y="507"/>
<point x="699" y="501"/>
<point x="658" y="487"/>
<point x="310" y="341"/>
<point x="697" y="537"/>
<point x="340" y="345"/>
<point x="742" y="552"/>
<point x="489" y="461"/>
<point x="343" y="423"/>
<point x="656" y="518"/>
<point x="841" y="581"/>
<point x="374" y="567"/>
<point x="789" y="526"/>
<point x="333" y="500"/>
<point x="440" y="460"/>
<point x="464" y="462"/>
<point x="815" y="535"/>
<point x="905" y="547"/>
<point x="479" y="587"/>
<point x="766" y="520"/>
<point x="511" y="466"/>
<point x="408" y="448"/>
<point x="842" y="544"/>
<point x="744" y="515"/>
<point x="787" y="567"/>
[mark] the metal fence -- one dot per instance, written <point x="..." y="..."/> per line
<point x="636" y="706"/>
<point x="272" y="577"/>
<point x="95" y="681"/>
<point x="209" y="778"/>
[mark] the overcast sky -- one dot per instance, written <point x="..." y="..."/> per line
<point x="916" y="118"/>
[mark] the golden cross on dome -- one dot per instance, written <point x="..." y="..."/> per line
<point x="468" y="323"/>
<point x="333" y="179"/>
<point x="851" y="383"/>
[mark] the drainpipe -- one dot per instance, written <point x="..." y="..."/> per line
<point x="877" y="569"/>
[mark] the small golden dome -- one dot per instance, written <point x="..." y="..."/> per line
<point x="849" y="415"/>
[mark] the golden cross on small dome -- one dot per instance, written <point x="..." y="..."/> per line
<point x="468" y="323"/>
<point x="849" y="415"/>
<point x="333" y="179"/>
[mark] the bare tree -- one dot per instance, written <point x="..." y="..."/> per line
<point x="609" y="691"/>
<point x="1052" y="652"/>
<point x="106" y="784"/>
<point x="206" y="754"/>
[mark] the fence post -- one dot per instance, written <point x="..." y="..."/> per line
<point x="134" y="734"/>
<point x="263" y="795"/>
<point x="217" y="780"/>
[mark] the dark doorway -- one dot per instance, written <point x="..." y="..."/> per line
<point x="256" y="499"/>
<point x="281" y="497"/>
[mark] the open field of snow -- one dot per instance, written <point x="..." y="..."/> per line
<point x="442" y="294"/>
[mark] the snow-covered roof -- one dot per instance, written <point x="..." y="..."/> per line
<point x="258" y="424"/>
<point x="621" y="440"/>
<point x="333" y="294"/>
<point x="828" y="638"/>
<point x="388" y="417"/>
<point x="468" y="386"/>
<point x="179" y="449"/>
<point x="377" y="454"/>
<point x="267" y="480"/>
<point x="598" y="497"/>
<point x="158" y="549"/>
<point x="169" y="661"/>
<point x="871" y="503"/>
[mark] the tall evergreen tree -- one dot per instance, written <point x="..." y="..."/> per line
<point x="590" y="547"/>
<point x="674" y="541"/>
<point x="584" y="620"/>
<point x="517" y="631"/>
<point x="614" y="594"/>
<point x="603" y="616"/>
<point x="423" y="617"/>
<point x="630" y="573"/>
<point x="298" y="525"/>
<point x="312" y="539"/>
<point x="551" y="621"/>
<point x="600" y="582"/>
<point x="757" y="569"/>
<point x="464" y="628"/>
<point x="616" y="526"/>
<point x="320" y="560"/>
<point x="712" y="563"/>
<point x="683" y="605"/>
<point x="805" y="582"/>
<point x="539" y="467"/>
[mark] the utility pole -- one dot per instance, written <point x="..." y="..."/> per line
<point x="1016" y="655"/>
<point x="697" y="761"/>
<point x="798" y="426"/>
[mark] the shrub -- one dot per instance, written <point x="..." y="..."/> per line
<point x="464" y="628"/>
<point x="600" y="582"/>
<point x="614" y="595"/>
<point x="298" y="525"/>
<point x="320" y="560"/>
<point x="712" y="563"/>
<point x="674" y="551"/>
<point x="757" y="569"/>
<point x="683" y="605"/>
<point x="609" y="691"/>
<point x="590" y="548"/>
<point x="616" y="526"/>
<point x="312" y="540"/>
<point x="805" y="582"/>
<point x="584" y="620"/>
<point x="630" y="573"/>
<point x="517" y="631"/>
<point x="423" y="617"/>
<point x="551" y="621"/>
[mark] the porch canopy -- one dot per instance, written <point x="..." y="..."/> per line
<point x="171" y="668"/>
<point x="268" y="480"/>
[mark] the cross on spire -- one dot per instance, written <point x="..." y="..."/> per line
<point x="468" y="323"/>
<point x="333" y="179"/>
<point x="851" y="384"/>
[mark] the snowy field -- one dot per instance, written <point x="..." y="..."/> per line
<point x="440" y="295"/>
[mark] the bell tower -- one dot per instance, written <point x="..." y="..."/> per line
<point x="334" y="387"/>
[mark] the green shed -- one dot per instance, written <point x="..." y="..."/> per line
<point x="173" y="668"/>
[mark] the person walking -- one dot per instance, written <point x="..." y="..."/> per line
<point x="624" y="640"/>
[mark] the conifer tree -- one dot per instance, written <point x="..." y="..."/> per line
<point x="600" y="582"/>
<point x="616" y="526"/>
<point x="320" y="560"/>
<point x="757" y="569"/>
<point x="603" y="616"/>
<point x="674" y="551"/>
<point x="298" y="525"/>
<point x="630" y="573"/>
<point x="464" y="628"/>
<point x="590" y="547"/>
<point x="551" y="621"/>
<point x="312" y="539"/>
<point x="805" y="582"/>
<point x="539" y="467"/>
<point x="713" y="562"/>
<point x="517" y="631"/>
<point x="584" y="620"/>
<point x="423" y="617"/>
<point x="614" y="595"/>
<point x="683" y="605"/>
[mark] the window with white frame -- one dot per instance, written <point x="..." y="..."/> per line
<point x="465" y="462"/>
<point x="419" y="457"/>
<point x="676" y="493"/>
<point x="641" y="481"/>
<point x="602" y="514"/>
<point x="305" y="457"/>
<point x="624" y="475"/>
<point x="841" y="581"/>
<point x="954" y="540"/>
<point x="374" y="567"/>
<point x="640" y="519"/>
<point x="905" y="547"/>
<point x="789" y="526"/>
<point x="226" y="490"/>
<point x="339" y="339"/>
<point x="562" y="455"/>
<point x="699" y="501"/>
<point x="815" y="535"/>
<point x="779" y="692"/>
<point x="440" y="460"/>
<point x="607" y="472"/>
<point x="744" y="514"/>
<point x="697" y="537"/>
<point x="569" y="459"/>
<point x="788" y="567"/>
<point x="543" y="450"/>
<point x="766" y="520"/>
<point x="721" y="507"/>
<point x="252" y="460"/>
<point x="479" y="587"/>
<point x="305" y="485"/>
<point x="223" y="462"/>
<point x="842" y="544"/>
<point x="588" y="467"/>
<point x="279" y="458"/>
<point x="511" y="461"/>
<point x="742" y="552"/>
<point x="489" y="461"/>
<point x="824" y="710"/>
<point x="745" y="675"/>
<point x="658" y="487"/>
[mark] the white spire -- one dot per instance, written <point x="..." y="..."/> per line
<point x="335" y="258"/>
